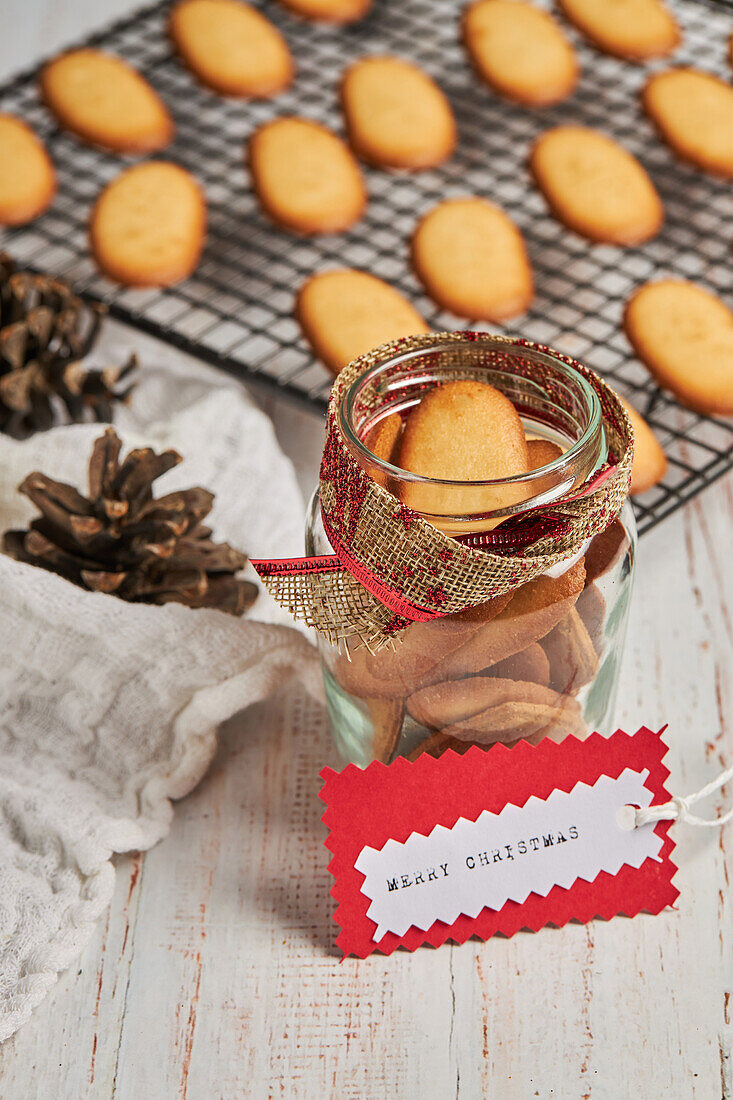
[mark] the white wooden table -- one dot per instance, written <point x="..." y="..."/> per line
<point x="213" y="974"/>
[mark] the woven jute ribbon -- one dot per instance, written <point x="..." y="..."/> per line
<point x="390" y="566"/>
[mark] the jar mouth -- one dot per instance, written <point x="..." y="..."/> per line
<point x="567" y="410"/>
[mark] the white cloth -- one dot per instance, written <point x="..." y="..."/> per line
<point x="108" y="710"/>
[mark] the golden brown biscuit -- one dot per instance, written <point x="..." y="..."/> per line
<point x="591" y="607"/>
<point x="605" y="551"/>
<point x="330" y="11"/>
<point x="397" y="673"/>
<point x="512" y="721"/>
<point x="102" y="99"/>
<point x="572" y="656"/>
<point x="541" y="452"/>
<point x="383" y="441"/>
<point x="520" y="51"/>
<point x="532" y="612"/>
<point x="345" y="313"/>
<point x="454" y="702"/>
<point x="480" y="612"/>
<point x="383" y="438"/>
<point x="306" y="177"/>
<point x="632" y="29"/>
<point x="27" y="176"/>
<point x="438" y="743"/>
<point x="594" y="186"/>
<point x="650" y="461"/>
<point x="472" y="260"/>
<point x="509" y="723"/>
<point x="231" y="47"/>
<point x="531" y="665"/>
<point x="386" y="716"/>
<point x="396" y="115"/>
<point x="693" y="111"/>
<point x="684" y="335"/>
<point x="148" y="225"/>
<point x="492" y="445"/>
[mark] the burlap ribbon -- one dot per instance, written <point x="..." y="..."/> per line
<point x="390" y="566"/>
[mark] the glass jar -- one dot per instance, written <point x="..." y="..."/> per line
<point x="540" y="661"/>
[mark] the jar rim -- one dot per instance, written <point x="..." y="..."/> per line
<point x="477" y="341"/>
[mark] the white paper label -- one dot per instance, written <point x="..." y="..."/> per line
<point x="506" y="856"/>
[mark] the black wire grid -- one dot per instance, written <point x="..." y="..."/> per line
<point x="236" y="310"/>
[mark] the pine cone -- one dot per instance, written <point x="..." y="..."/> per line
<point x="122" y="540"/>
<point x="45" y="332"/>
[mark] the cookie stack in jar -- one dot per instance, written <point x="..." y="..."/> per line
<point x="470" y="548"/>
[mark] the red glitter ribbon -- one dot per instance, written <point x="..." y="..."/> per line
<point x="388" y="565"/>
<point x="514" y="534"/>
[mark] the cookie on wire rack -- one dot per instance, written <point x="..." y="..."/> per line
<point x="27" y="175"/>
<point x="104" y="100"/>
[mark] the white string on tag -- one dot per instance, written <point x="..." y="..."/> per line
<point x="678" y="808"/>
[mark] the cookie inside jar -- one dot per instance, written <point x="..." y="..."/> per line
<point x="479" y="442"/>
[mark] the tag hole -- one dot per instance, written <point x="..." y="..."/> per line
<point x="626" y="818"/>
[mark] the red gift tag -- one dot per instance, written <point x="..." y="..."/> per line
<point x="496" y="840"/>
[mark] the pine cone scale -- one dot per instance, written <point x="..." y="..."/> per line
<point x="103" y="581"/>
<point x="13" y="344"/>
<point x="15" y="388"/>
<point x="139" y="471"/>
<point x="103" y="464"/>
<point x="37" y="484"/>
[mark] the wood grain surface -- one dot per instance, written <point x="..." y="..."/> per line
<point x="214" y="976"/>
<point x="213" y="973"/>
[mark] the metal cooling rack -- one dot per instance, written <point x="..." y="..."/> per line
<point x="236" y="310"/>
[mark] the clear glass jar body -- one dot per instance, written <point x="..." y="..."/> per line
<point x="541" y="661"/>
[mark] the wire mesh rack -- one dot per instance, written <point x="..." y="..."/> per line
<point x="236" y="310"/>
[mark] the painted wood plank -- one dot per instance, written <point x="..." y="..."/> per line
<point x="213" y="973"/>
<point x="220" y="976"/>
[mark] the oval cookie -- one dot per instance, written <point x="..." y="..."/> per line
<point x="383" y="442"/>
<point x="472" y="260"/>
<point x="383" y="438"/>
<point x="520" y="51"/>
<point x="533" y="611"/>
<point x="594" y="186"/>
<point x="542" y="452"/>
<point x="438" y="743"/>
<point x="330" y="11"/>
<point x="633" y="29"/>
<point x="650" y="461"/>
<point x="420" y="648"/>
<point x="693" y="111"/>
<point x="684" y="335"/>
<point x="571" y="654"/>
<point x="591" y="607"/>
<point x="453" y="702"/>
<point x="306" y="177"/>
<point x="514" y="721"/>
<point x="606" y="551"/>
<point x="492" y="445"/>
<point x="231" y="47"/>
<point x="345" y="313"/>
<point x="27" y="176"/>
<point x="148" y="225"/>
<point x="530" y="665"/>
<point x="102" y="99"/>
<point x="386" y="716"/>
<point x="396" y="115"/>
